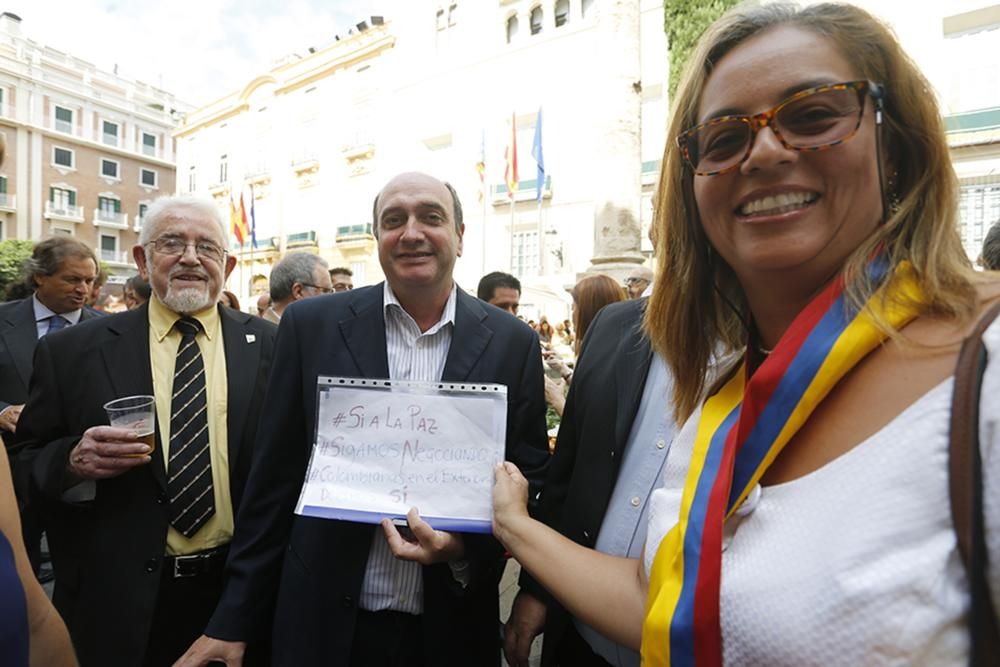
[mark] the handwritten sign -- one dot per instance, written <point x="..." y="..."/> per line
<point x="383" y="446"/>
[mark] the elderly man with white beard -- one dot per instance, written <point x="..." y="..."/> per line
<point x="139" y="536"/>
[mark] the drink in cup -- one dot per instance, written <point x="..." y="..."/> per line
<point x="136" y="413"/>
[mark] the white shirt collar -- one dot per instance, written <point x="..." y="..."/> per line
<point x="43" y="312"/>
<point x="390" y="302"/>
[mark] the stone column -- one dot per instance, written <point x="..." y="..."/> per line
<point x="617" y="170"/>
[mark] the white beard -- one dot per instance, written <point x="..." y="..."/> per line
<point x="188" y="300"/>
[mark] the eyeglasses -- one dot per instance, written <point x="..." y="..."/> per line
<point x="810" y="120"/>
<point x="324" y="290"/>
<point x="633" y="280"/>
<point x="176" y="247"/>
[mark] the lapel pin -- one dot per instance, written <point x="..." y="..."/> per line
<point x="251" y="338"/>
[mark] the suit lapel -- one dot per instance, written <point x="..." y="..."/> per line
<point x="21" y="338"/>
<point x="364" y="333"/>
<point x="126" y="356"/>
<point x="631" y="379"/>
<point x="468" y="340"/>
<point x="242" y="360"/>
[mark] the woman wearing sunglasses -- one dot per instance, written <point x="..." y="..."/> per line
<point x="808" y="227"/>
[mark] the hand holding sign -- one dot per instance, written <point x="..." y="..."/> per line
<point x="430" y="546"/>
<point x="383" y="446"/>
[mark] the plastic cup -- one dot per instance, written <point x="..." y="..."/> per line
<point x="137" y="413"/>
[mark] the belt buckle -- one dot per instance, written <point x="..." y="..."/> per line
<point x="189" y="572"/>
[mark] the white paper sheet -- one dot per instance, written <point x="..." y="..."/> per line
<point x="382" y="447"/>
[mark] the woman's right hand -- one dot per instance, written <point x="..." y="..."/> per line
<point x="510" y="500"/>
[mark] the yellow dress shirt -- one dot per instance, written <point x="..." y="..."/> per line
<point x="164" y="341"/>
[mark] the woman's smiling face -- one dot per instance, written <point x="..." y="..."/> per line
<point x="783" y="210"/>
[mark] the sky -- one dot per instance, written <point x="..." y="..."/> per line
<point x="199" y="50"/>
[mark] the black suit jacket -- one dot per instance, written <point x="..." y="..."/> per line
<point x="107" y="552"/>
<point x="602" y="403"/>
<point x="18" y="338"/>
<point x="321" y="562"/>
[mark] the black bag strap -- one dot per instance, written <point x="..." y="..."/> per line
<point x="965" y="485"/>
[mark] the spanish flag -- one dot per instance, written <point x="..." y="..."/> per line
<point x="234" y="222"/>
<point x="510" y="173"/>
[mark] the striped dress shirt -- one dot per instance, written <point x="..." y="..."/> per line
<point x="390" y="583"/>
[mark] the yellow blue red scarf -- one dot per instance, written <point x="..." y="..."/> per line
<point x="742" y="429"/>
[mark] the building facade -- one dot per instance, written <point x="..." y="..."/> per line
<point x="957" y="46"/>
<point x="87" y="151"/>
<point x="447" y="86"/>
<point x="441" y="87"/>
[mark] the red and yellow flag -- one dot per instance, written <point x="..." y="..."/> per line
<point x="235" y="226"/>
<point x="510" y="155"/>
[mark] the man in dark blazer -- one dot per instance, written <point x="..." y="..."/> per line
<point x="62" y="271"/>
<point x="136" y="579"/>
<point x="325" y="612"/>
<point x="613" y="439"/>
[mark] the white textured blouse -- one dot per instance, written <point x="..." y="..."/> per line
<point x="855" y="563"/>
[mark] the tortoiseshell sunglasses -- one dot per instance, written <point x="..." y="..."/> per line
<point x="810" y="120"/>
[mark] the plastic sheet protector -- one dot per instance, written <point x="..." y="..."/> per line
<point x="384" y="446"/>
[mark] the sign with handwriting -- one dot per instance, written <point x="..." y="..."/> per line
<point x="384" y="446"/>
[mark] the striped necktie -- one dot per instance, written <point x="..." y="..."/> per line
<point x="189" y="471"/>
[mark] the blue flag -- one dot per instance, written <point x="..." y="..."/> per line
<point x="536" y="152"/>
<point x="253" y="221"/>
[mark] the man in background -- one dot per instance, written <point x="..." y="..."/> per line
<point x="638" y="280"/>
<point x="135" y="292"/>
<point x="342" y="279"/>
<point x="500" y="289"/>
<point x="63" y="271"/>
<point x="299" y="275"/>
<point x="263" y="303"/>
<point x="613" y="442"/>
<point x="990" y="257"/>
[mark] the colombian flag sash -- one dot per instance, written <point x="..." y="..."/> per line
<point x="742" y="429"/>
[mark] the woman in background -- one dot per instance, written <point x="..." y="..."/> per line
<point x="589" y="296"/>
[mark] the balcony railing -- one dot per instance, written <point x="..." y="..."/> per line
<point x="139" y="221"/>
<point x="64" y="211"/>
<point x="349" y="233"/>
<point x="104" y="218"/>
<point x="300" y="239"/>
<point x="116" y="256"/>
<point x="7" y="201"/>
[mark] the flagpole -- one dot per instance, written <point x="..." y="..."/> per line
<point x="253" y="242"/>
<point x="512" y="234"/>
<point x="484" y="230"/>
<point x="481" y="169"/>
<point x="242" y="278"/>
<point x="541" y="237"/>
<point x="536" y="152"/>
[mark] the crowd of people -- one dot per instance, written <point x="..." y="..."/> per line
<point x="752" y="463"/>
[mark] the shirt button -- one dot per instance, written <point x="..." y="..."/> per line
<point x="152" y="564"/>
<point x="636" y="500"/>
<point x="661" y="443"/>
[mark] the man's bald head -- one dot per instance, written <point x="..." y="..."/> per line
<point x="416" y="175"/>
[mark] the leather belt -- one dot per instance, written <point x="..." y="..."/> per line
<point x="212" y="561"/>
